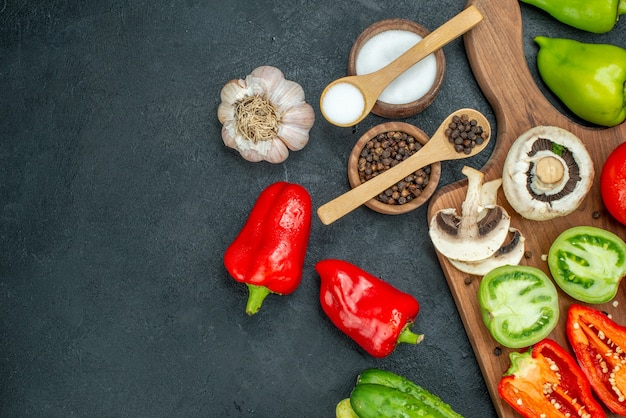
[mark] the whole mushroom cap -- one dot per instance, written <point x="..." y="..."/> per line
<point x="547" y="173"/>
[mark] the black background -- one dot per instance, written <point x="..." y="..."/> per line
<point x="118" y="199"/>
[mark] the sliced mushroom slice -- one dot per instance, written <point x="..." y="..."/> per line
<point x="489" y="195"/>
<point x="547" y="173"/>
<point x="475" y="235"/>
<point x="511" y="252"/>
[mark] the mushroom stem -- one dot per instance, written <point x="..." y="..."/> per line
<point x="549" y="170"/>
<point x="470" y="208"/>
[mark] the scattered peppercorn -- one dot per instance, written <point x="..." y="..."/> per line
<point x="468" y="280"/>
<point x="528" y="254"/>
<point x="465" y="133"/>
<point x="387" y="150"/>
<point x="595" y="214"/>
<point x="497" y="351"/>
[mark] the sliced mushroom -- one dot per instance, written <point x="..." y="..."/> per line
<point x="489" y="195"/>
<point x="511" y="252"/>
<point x="480" y="230"/>
<point x="547" y="173"/>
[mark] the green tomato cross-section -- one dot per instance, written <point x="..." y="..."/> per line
<point x="588" y="263"/>
<point x="519" y="305"/>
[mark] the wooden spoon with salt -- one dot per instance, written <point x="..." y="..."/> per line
<point x="371" y="85"/>
<point x="438" y="148"/>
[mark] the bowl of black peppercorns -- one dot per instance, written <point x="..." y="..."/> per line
<point x="382" y="147"/>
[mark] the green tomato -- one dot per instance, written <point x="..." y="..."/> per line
<point x="519" y="305"/>
<point x="588" y="263"/>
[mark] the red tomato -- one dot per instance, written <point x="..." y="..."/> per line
<point x="613" y="183"/>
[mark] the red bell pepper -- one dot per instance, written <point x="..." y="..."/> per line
<point x="376" y="315"/>
<point x="268" y="253"/>
<point x="600" y="347"/>
<point x="545" y="381"/>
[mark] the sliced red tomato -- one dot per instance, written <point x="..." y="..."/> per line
<point x="599" y="344"/>
<point x="613" y="183"/>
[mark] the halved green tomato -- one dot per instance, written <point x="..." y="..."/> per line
<point x="519" y="305"/>
<point x="588" y="263"/>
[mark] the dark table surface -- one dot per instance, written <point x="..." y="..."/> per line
<point x="118" y="199"/>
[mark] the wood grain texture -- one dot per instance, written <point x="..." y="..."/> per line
<point x="495" y="52"/>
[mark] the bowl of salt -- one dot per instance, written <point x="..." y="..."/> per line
<point x="416" y="88"/>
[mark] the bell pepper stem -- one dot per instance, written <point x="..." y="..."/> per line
<point x="408" y="336"/>
<point x="256" y="297"/>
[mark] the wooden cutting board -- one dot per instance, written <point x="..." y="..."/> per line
<point x="495" y="52"/>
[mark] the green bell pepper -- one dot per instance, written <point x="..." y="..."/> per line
<point x="588" y="263"/>
<point x="374" y="401"/>
<point x="380" y="393"/>
<point x="430" y="401"/>
<point x="344" y="409"/>
<point x="597" y="16"/>
<point x="590" y="79"/>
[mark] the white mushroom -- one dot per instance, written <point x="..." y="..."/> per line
<point x="547" y="173"/>
<point x="489" y="195"/>
<point x="475" y="235"/>
<point x="511" y="253"/>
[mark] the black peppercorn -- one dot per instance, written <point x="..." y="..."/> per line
<point x="465" y="133"/>
<point x="386" y="150"/>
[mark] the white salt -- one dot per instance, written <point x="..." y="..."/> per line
<point x="343" y="103"/>
<point x="385" y="47"/>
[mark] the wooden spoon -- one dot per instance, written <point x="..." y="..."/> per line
<point x="371" y="85"/>
<point x="438" y="148"/>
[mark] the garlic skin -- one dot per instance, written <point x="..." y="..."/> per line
<point x="265" y="116"/>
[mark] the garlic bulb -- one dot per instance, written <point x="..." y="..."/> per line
<point x="265" y="115"/>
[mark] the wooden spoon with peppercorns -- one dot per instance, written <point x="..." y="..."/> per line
<point x="471" y="126"/>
